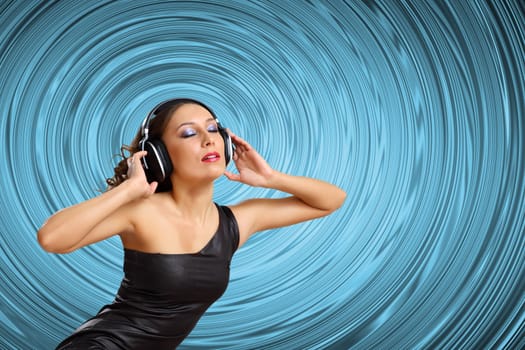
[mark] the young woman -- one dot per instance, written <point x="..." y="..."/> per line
<point x="177" y="242"/>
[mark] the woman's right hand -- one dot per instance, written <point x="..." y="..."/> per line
<point x="136" y="177"/>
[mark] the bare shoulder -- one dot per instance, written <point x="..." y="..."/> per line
<point x="143" y="210"/>
<point x="147" y="217"/>
<point x="120" y="222"/>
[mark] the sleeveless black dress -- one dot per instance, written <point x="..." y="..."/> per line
<point x="162" y="296"/>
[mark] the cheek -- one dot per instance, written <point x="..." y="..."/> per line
<point x="182" y="152"/>
<point x="175" y="156"/>
<point x="219" y="141"/>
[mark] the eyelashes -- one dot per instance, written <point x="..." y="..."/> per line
<point x="189" y="132"/>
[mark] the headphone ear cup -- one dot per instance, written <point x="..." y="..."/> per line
<point x="228" y="145"/>
<point x="157" y="164"/>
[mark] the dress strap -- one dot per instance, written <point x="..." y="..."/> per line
<point x="229" y="226"/>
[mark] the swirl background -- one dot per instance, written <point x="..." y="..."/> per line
<point x="415" y="109"/>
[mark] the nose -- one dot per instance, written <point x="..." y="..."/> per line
<point x="207" y="140"/>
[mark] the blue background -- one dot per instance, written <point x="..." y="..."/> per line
<point x="416" y="109"/>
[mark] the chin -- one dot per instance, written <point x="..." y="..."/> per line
<point x="214" y="172"/>
<point x="218" y="173"/>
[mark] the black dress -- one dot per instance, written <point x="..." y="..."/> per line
<point x="162" y="296"/>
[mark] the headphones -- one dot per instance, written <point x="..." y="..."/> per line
<point x="157" y="164"/>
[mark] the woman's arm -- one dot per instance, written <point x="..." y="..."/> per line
<point x="98" y="218"/>
<point x="315" y="193"/>
<point x="310" y="198"/>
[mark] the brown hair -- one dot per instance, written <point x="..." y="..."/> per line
<point x="157" y="126"/>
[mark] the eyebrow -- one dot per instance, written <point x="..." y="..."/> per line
<point x="193" y="123"/>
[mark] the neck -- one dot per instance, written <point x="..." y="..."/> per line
<point x="193" y="202"/>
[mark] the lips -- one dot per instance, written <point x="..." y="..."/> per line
<point x="211" y="157"/>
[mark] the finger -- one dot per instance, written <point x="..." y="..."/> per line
<point x="232" y="176"/>
<point x="139" y="154"/>
<point x="240" y="143"/>
<point x="235" y="139"/>
<point x="133" y="160"/>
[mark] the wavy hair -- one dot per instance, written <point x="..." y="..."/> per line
<point x="157" y="126"/>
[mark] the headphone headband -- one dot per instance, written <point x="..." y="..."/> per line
<point x="163" y="106"/>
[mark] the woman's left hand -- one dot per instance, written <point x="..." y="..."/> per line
<point x="253" y="169"/>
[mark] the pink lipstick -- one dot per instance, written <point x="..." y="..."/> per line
<point x="211" y="157"/>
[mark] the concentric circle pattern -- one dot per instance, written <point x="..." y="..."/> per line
<point x="415" y="108"/>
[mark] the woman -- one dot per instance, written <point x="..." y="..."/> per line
<point x="177" y="242"/>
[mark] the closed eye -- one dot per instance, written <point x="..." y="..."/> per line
<point x="188" y="133"/>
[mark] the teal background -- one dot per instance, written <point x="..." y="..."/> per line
<point x="415" y="108"/>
